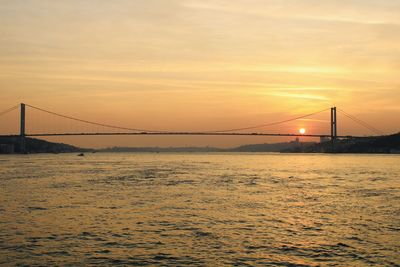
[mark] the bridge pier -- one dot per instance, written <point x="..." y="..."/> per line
<point x="333" y="128"/>
<point x="22" y="144"/>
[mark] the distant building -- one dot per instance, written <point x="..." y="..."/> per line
<point x="324" y="139"/>
<point x="394" y="151"/>
<point x="7" y="148"/>
<point x="296" y="142"/>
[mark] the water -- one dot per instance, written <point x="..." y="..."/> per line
<point x="200" y="209"/>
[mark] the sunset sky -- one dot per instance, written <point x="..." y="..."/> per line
<point x="202" y="65"/>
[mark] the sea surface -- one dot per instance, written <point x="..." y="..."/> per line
<point x="199" y="210"/>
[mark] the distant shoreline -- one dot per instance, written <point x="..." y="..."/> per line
<point x="389" y="144"/>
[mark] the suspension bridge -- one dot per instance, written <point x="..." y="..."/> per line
<point x="119" y="130"/>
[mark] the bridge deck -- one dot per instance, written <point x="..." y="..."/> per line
<point x="188" y="133"/>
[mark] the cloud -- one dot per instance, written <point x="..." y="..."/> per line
<point x="351" y="11"/>
<point x="301" y="96"/>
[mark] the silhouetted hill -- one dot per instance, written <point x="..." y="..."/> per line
<point x="378" y="144"/>
<point x="10" y="144"/>
<point x="161" y="149"/>
<point x="275" y="147"/>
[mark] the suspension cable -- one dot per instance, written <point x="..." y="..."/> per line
<point x="361" y="122"/>
<point x="91" y="122"/>
<point x="160" y="131"/>
<point x="355" y="119"/>
<point x="8" y="110"/>
<point x="267" y="124"/>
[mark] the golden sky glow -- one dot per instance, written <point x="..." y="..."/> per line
<point x="199" y="64"/>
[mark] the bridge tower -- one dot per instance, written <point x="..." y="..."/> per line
<point x="333" y="127"/>
<point x="22" y="129"/>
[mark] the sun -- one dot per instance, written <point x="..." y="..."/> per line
<point x="302" y="131"/>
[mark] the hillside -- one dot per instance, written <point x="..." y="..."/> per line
<point x="274" y="147"/>
<point x="379" y="144"/>
<point x="10" y="144"/>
